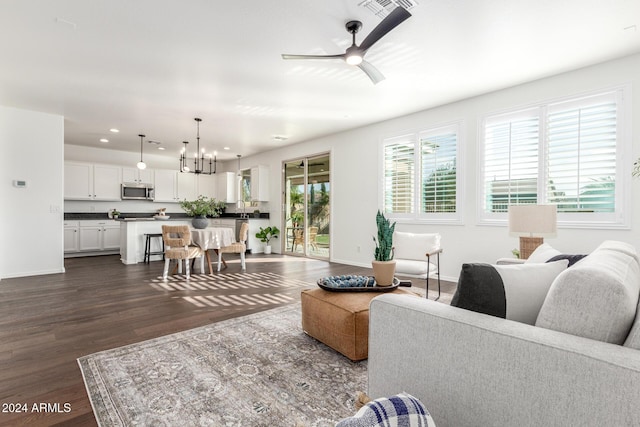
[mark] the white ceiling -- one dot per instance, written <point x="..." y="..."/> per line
<point x="152" y="66"/>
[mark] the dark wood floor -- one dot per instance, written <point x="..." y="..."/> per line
<point x="47" y="322"/>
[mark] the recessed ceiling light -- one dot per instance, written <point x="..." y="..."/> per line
<point x="227" y="148"/>
<point x="104" y="140"/>
<point x="160" y="148"/>
<point x="114" y="130"/>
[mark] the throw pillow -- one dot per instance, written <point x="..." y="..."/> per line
<point x="571" y="258"/>
<point x="542" y="253"/>
<point x="597" y="298"/>
<point x="399" y="410"/>
<point x="515" y="291"/>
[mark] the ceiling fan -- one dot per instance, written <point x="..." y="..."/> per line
<point x="354" y="55"/>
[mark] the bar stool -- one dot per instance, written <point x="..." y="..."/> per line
<point x="147" y="246"/>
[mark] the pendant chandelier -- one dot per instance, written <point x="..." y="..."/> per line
<point x="141" y="165"/>
<point x="198" y="162"/>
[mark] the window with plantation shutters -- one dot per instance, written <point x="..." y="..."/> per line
<point x="569" y="153"/>
<point x="582" y="139"/>
<point x="399" y="175"/>
<point x="511" y="160"/>
<point x="421" y="175"/>
<point x="438" y="159"/>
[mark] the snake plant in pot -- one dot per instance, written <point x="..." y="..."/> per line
<point x="384" y="266"/>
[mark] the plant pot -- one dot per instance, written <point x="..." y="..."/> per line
<point x="383" y="272"/>
<point x="267" y="249"/>
<point x="200" y="222"/>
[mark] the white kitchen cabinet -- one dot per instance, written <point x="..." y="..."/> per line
<point x="140" y="176"/>
<point x="86" y="181"/>
<point x="99" y="235"/>
<point x="208" y="186"/>
<point x="111" y="237"/>
<point x="186" y="186"/>
<point x="227" y="184"/>
<point x="78" y="181"/>
<point x="71" y="236"/>
<point x="165" y="185"/>
<point x="174" y="186"/>
<point x="260" y="183"/>
<point x="106" y="182"/>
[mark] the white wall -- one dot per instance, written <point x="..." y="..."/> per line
<point x="356" y="173"/>
<point x="31" y="218"/>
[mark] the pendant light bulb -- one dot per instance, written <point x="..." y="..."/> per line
<point x="141" y="165"/>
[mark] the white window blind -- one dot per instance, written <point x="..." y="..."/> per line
<point x="399" y="175"/>
<point x="569" y="153"/>
<point x="438" y="158"/>
<point x="511" y="161"/>
<point x="421" y="175"/>
<point x="582" y="155"/>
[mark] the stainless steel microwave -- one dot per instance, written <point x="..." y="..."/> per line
<point x="135" y="191"/>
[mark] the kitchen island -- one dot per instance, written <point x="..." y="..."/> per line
<point x="133" y="230"/>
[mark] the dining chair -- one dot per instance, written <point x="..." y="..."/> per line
<point x="239" y="247"/>
<point x="298" y="238"/>
<point x="177" y="242"/>
<point x="313" y="234"/>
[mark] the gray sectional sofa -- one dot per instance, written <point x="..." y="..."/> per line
<point x="577" y="365"/>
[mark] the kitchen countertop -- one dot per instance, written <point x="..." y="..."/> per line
<point x="131" y="216"/>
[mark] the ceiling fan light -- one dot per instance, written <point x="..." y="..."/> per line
<point x="354" y="59"/>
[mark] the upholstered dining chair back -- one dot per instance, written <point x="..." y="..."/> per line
<point x="418" y="255"/>
<point x="177" y="242"/>
<point x="237" y="247"/>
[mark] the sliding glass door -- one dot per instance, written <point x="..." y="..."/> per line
<point x="307" y="222"/>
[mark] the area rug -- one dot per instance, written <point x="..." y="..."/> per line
<point x="256" y="370"/>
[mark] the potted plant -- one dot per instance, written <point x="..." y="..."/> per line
<point x="201" y="208"/>
<point x="265" y="235"/>
<point x="384" y="266"/>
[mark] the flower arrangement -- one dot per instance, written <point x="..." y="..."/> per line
<point x="203" y="206"/>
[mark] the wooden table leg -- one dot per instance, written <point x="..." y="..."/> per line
<point x="209" y="261"/>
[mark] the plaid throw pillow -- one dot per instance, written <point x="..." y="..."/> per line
<point x="399" y="410"/>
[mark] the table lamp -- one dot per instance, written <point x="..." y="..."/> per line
<point x="527" y="221"/>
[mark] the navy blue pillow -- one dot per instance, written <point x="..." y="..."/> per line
<point x="571" y="258"/>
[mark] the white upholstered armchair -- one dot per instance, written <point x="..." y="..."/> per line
<point x="417" y="255"/>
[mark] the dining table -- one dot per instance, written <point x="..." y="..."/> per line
<point x="212" y="238"/>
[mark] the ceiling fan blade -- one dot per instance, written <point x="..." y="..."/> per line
<point x="392" y="20"/>
<point x="371" y="71"/>
<point x="339" y="56"/>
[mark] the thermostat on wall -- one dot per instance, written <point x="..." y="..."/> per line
<point x="19" y="183"/>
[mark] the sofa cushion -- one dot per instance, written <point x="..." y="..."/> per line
<point x="597" y="298"/>
<point x="399" y="410"/>
<point x="514" y="291"/>
<point x="542" y="253"/>
<point x="414" y="268"/>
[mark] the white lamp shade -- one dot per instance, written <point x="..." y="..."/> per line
<point x="141" y="165"/>
<point x="532" y="220"/>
